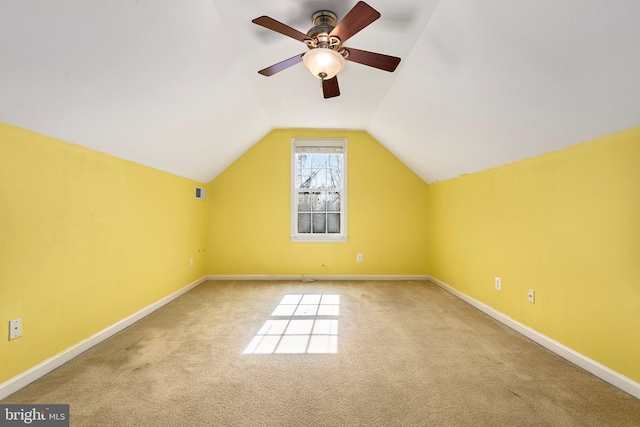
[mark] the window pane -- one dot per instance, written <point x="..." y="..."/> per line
<point x="304" y="223"/>
<point x="319" y="223"/>
<point x="318" y="160"/>
<point x="333" y="223"/>
<point x="304" y="178"/>
<point x="334" y="178"/>
<point x="333" y="202"/>
<point x="304" y="160"/>
<point x="319" y="178"/>
<point x="319" y="202"/>
<point x="335" y="160"/>
<point x="304" y="202"/>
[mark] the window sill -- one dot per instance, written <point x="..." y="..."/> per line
<point x="318" y="239"/>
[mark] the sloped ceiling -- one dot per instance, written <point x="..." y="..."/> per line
<point x="174" y="85"/>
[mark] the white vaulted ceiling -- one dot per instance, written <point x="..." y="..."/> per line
<point x="174" y="85"/>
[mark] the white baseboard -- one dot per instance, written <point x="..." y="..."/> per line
<point x="27" y="377"/>
<point x="612" y="377"/>
<point x="310" y="278"/>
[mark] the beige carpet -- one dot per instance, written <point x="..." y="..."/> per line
<point x="408" y="354"/>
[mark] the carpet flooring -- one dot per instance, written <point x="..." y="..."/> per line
<point x="392" y="354"/>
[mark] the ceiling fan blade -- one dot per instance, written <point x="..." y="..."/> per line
<point x="283" y="65"/>
<point x="279" y="27"/>
<point x="330" y="87"/>
<point x="359" y="17"/>
<point x="373" y="59"/>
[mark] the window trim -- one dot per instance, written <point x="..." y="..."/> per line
<point x="304" y="237"/>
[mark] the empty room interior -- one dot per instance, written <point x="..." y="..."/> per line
<point x="429" y="214"/>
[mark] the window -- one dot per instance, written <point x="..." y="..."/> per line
<point x="319" y="190"/>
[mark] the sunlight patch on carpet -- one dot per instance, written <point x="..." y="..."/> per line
<point x="303" y="324"/>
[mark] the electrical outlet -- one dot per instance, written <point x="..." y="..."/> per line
<point x="359" y="257"/>
<point x="191" y="262"/>
<point x="532" y="296"/>
<point x="498" y="283"/>
<point x="15" y="329"/>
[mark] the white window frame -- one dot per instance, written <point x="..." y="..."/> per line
<point x="311" y="237"/>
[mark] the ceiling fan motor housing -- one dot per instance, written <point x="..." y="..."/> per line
<point x="324" y="22"/>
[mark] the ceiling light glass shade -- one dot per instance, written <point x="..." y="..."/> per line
<point x="323" y="63"/>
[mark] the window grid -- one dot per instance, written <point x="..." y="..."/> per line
<point x="319" y="189"/>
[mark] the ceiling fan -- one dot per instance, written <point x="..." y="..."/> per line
<point x="326" y="56"/>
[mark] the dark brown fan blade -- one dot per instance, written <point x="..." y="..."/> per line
<point x="373" y="59"/>
<point x="283" y="65"/>
<point x="330" y="88"/>
<point x="279" y="27"/>
<point x="359" y="17"/>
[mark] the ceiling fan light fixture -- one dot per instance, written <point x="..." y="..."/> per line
<point x="323" y="63"/>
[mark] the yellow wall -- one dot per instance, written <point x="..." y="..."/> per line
<point x="566" y="224"/>
<point x="86" y="239"/>
<point x="249" y="214"/>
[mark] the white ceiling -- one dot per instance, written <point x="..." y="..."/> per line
<point x="174" y="85"/>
